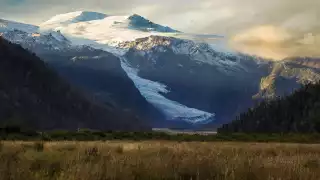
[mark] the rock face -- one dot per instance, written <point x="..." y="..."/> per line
<point x="286" y="76"/>
<point x="34" y="95"/>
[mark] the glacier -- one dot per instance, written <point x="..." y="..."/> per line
<point x="153" y="91"/>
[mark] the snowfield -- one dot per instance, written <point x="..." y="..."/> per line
<point x="103" y="29"/>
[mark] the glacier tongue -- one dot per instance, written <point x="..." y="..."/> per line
<point x="173" y="110"/>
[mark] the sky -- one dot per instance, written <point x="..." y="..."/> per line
<point x="269" y="28"/>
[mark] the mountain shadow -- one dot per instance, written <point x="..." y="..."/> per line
<point x="34" y="95"/>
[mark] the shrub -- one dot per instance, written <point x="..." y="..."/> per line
<point x="93" y="151"/>
<point x="1" y="146"/>
<point x="38" y="146"/>
<point x="119" y="149"/>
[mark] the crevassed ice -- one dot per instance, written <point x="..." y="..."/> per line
<point x="173" y="110"/>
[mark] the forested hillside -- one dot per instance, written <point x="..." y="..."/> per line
<point x="297" y="113"/>
<point x="33" y="95"/>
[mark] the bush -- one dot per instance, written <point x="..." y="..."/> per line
<point x="38" y="146"/>
<point x="119" y="149"/>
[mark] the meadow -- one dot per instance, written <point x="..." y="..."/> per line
<point x="170" y="160"/>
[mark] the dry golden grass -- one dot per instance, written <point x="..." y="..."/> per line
<point x="158" y="160"/>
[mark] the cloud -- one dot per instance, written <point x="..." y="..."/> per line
<point x="276" y="42"/>
<point x="285" y="27"/>
<point x="262" y="34"/>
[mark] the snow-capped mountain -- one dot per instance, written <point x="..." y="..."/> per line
<point x="196" y="75"/>
<point x="201" y="77"/>
<point x="186" y="80"/>
<point x="104" y="29"/>
<point x="86" y="28"/>
<point x="33" y="41"/>
<point x="200" y="52"/>
<point x="97" y="72"/>
<point x="31" y="37"/>
<point x="11" y="25"/>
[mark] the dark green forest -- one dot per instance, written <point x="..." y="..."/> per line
<point x="296" y="113"/>
<point x="15" y="132"/>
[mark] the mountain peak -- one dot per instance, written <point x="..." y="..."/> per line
<point x="137" y="16"/>
<point x="74" y="17"/>
<point x="138" y="22"/>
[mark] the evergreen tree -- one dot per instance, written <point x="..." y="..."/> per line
<point x="297" y="113"/>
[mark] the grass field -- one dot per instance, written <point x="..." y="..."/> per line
<point x="124" y="160"/>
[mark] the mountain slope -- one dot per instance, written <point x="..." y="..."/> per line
<point x="299" y="112"/>
<point x="189" y="82"/>
<point x="52" y="41"/>
<point x="36" y="96"/>
<point x="98" y="73"/>
<point x="287" y="75"/>
<point x="196" y="75"/>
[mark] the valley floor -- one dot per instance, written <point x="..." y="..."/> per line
<point x="125" y="160"/>
<point x="188" y="132"/>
